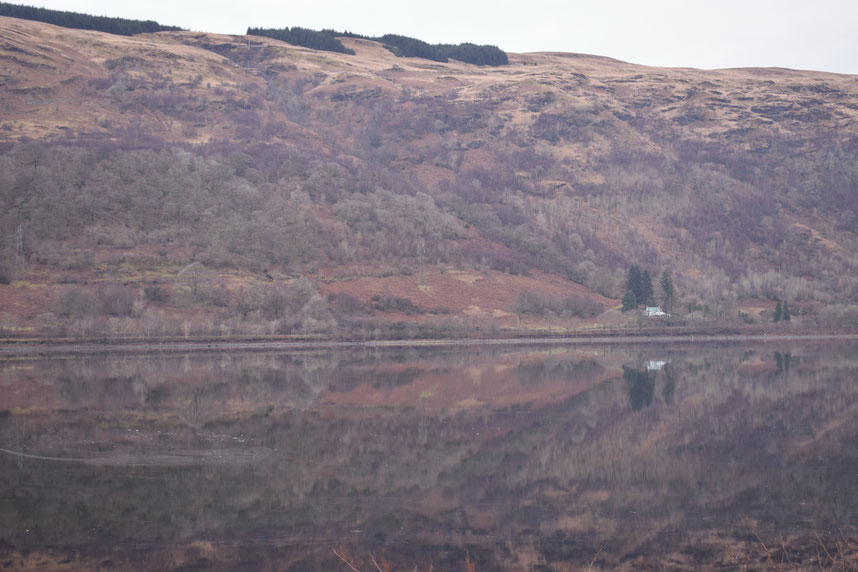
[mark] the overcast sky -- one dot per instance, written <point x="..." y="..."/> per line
<point x="799" y="34"/>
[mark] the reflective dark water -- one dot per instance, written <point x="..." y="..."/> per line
<point x="609" y="457"/>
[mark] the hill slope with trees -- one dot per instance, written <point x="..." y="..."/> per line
<point x="185" y="183"/>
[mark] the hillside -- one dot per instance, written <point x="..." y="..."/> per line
<point x="182" y="183"/>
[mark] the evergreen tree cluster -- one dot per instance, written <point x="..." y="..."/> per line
<point x="483" y="55"/>
<point x="639" y="282"/>
<point x="406" y="47"/>
<point x="402" y="46"/>
<point x="782" y="312"/>
<point x="119" y="26"/>
<point x="312" y="39"/>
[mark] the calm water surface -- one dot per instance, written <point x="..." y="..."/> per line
<point x="555" y="458"/>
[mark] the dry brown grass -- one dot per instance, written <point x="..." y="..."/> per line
<point x="835" y="552"/>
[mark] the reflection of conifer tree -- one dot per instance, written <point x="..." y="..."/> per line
<point x="666" y="284"/>
<point x="422" y="432"/>
<point x="783" y="361"/>
<point x="669" y="384"/>
<point x="641" y="387"/>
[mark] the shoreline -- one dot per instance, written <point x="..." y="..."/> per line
<point x="34" y="348"/>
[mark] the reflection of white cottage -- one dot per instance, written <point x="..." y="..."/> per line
<point x="653" y="311"/>
<point x="655" y="364"/>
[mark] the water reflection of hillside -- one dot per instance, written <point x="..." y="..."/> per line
<point x="517" y="457"/>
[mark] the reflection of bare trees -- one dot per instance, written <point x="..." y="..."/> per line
<point x="563" y="479"/>
<point x="318" y="370"/>
<point x="20" y="437"/>
<point x="192" y="412"/>
<point x="195" y="387"/>
<point x="702" y="442"/>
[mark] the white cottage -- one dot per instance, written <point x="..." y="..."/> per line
<point x="653" y="311"/>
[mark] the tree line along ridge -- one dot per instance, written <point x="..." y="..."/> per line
<point x="325" y="40"/>
<point x="62" y="18"/>
<point x="401" y="46"/>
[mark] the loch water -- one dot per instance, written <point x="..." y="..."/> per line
<point x="667" y="455"/>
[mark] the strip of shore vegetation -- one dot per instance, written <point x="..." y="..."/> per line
<point x="60" y="346"/>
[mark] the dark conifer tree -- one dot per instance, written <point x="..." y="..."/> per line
<point x="633" y="279"/>
<point x="640" y="282"/>
<point x="666" y="284"/>
<point x="630" y="302"/>
<point x="646" y="294"/>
